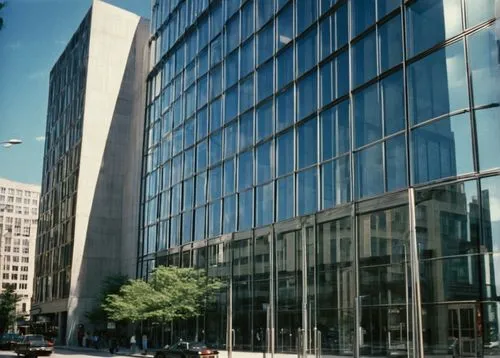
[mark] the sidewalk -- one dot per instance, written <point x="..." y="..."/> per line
<point x="121" y="351"/>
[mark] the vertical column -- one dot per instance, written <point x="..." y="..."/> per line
<point x="303" y="241"/>
<point x="271" y="293"/>
<point x="357" y="315"/>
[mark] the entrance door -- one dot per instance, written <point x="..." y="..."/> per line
<point x="462" y="330"/>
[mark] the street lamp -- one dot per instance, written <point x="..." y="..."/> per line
<point x="11" y="142"/>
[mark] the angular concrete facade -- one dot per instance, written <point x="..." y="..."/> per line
<point x="106" y="198"/>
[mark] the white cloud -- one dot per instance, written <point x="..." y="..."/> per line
<point x="38" y="75"/>
<point x="40" y="138"/>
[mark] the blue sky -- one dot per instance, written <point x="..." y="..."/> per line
<point x="34" y="35"/>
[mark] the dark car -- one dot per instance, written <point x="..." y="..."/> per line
<point x="34" y="345"/>
<point x="187" y="350"/>
<point x="9" y="340"/>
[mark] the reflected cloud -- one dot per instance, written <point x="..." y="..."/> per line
<point x="40" y="138"/>
<point x="38" y="75"/>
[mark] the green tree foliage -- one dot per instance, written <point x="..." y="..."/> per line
<point x="8" y="300"/>
<point x="171" y="294"/>
<point x="110" y="285"/>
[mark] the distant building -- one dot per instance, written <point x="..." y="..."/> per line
<point x="91" y="167"/>
<point x="18" y="223"/>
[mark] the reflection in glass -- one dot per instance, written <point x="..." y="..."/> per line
<point x="285" y="109"/>
<point x="215" y="147"/>
<point x="264" y="162"/>
<point x="201" y="180"/>
<point x="286" y="197"/>
<point x="229" y="176"/>
<point x="306" y="51"/>
<point x="487" y="129"/>
<point x="247" y="20"/>
<point x="199" y="225"/>
<point x="246" y="58"/>
<point x="393" y="103"/>
<point x="246" y="94"/>
<point x="490" y="195"/>
<point x="246" y="130"/>
<point x="245" y="170"/>
<point x="367" y="115"/>
<point x="245" y="212"/>
<point x="369" y="171"/>
<point x="335" y="131"/>
<point x="285" y="146"/>
<point x="214" y="218"/>
<point x="396" y="168"/>
<point x="364" y="61"/>
<point x="265" y="80"/>
<point x="390" y="43"/>
<point x="265" y="43"/>
<point x="307" y="95"/>
<point x="479" y="11"/>
<point x="285" y="27"/>
<point x="335" y="182"/>
<point x="307" y="137"/>
<point x="334" y="76"/>
<point x="229" y="224"/>
<point x="242" y="292"/>
<point x="264" y="120"/>
<point x="284" y="64"/>
<point x="307" y="182"/>
<point x="363" y="15"/>
<point x="264" y="205"/>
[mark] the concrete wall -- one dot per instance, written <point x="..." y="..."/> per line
<point x="107" y="151"/>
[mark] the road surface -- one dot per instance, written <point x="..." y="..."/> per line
<point x="61" y="353"/>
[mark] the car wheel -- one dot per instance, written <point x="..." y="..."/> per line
<point x="159" y="355"/>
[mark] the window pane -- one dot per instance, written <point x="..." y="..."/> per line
<point x="367" y="116"/>
<point x="245" y="212"/>
<point x="442" y="149"/>
<point x="199" y="226"/>
<point x="334" y="78"/>
<point x="333" y="32"/>
<point x="393" y="103"/>
<point x="265" y="43"/>
<point x="335" y="182"/>
<point x="370" y="172"/>
<point x="285" y="109"/>
<point x="232" y="34"/>
<point x="200" y="188"/>
<point x="265" y="10"/>
<point x="246" y="130"/>
<point x="247" y="20"/>
<point x="189" y="133"/>
<point x="396" y="163"/>
<point x="230" y="139"/>
<point x="484" y="59"/>
<point x="202" y="128"/>
<point x="215" y="115"/>
<point x="215" y="147"/>
<point x="307" y="12"/>
<point x="201" y="156"/>
<point x="188" y="163"/>
<point x="177" y="141"/>
<point x="216" y="51"/>
<point x="390" y="44"/>
<point x="285" y="149"/>
<point x="285" y="26"/>
<point x="307" y="191"/>
<point x="215" y="84"/>
<point x="265" y="78"/>
<point x="190" y="99"/>
<point x="490" y="192"/>
<point x="229" y="217"/>
<point x="265" y="120"/>
<point x="214" y="218"/>
<point x="246" y="94"/>
<point x="215" y="183"/>
<point x="188" y="195"/>
<point x="386" y="6"/>
<point x="488" y="128"/>
<point x="264" y="205"/>
<point x="285" y="67"/>
<point x="216" y="19"/>
<point x="232" y="69"/>
<point x="430" y="22"/>
<point x="437" y="84"/>
<point x="177" y="169"/>
<point x="307" y="136"/>
<point x="231" y="102"/>
<point x="307" y="95"/>
<point x="285" y="198"/>
<point x="176" y="199"/>
<point x="364" y="60"/>
<point x="247" y="58"/>
<point x="363" y="15"/>
<point x="306" y="45"/>
<point x="264" y="162"/>
<point x="245" y="170"/>
<point x="229" y="177"/>
<point x="479" y="11"/>
<point x="335" y="131"/>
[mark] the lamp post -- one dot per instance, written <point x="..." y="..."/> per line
<point x="11" y="142"/>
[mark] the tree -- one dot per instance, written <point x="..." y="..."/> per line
<point x="172" y="293"/>
<point x="110" y="285"/>
<point x="8" y="301"/>
<point x="2" y="4"/>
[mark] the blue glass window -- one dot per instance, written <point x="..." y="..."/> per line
<point x="201" y="156"/>
<point x="215" y="147"/>
<point x="364" y="59"/>
<point x="188" y="194"/>
<point x="165" y="205"/>
<point x="232" y="69"/>
<point x="307" y="12"/>
<point x="286" y="197"/>
<point x="393" y="103"/>
<point x="306" y="45"/>
<point x="246" y="130"/>
<point x="202" y="92"/>
<point x="232" y="33"/>
<point x="307" y="136"/>
<point x="484" y="59"/>
<point x="187" y="227"/>
<point x="307" y="200"/>
<point x="201" y="181"/>
<point x="247" y="58"/>
<point x="307" y="95"/>
<point x="442" y="149"/>
<point x="245" y="212"/>
<point x="430" y="22"/>
<point x="166" y="147"/>
<point x="190" y="99"/>
<point x="189" y="75"/>
<point x="333" y="31"/>
<point x="264" y="205"/>
<point x="335" y="182"/>
<point x="216" y="20"/>
<point x="245" y="170"/>
<point x="214" y="218"/>
<point x="390" y="43"/>
<point x="188" y="163"/>
<point x="285" y="109"/>
<point x="363" y="15"/>
<point x="230" y="139"/>
<point x="265" y="43"/>
<point x="335" y="131"/>
<point x="367" y="116"/>
<point x="488" y="128"/>
<point x="265" y="10"/>
<point x="166" y="176"/>
<point x="246" y="94"/>
<point x="247" y="20"/>
<point x="265" y="79"/>
<point x="202" y="128"/>
<point x="285" y="67"/>
<point x="177" y="169"/>
<point x="216" y="50"/>
<point x="215" y="183"/>
<point x="396" y="163"/>
<point x="369" y="171"/>
<point x="215" y="115"/>
<point x="176" y="199"/>
<point x="203" y="62"/>
<point x="264" y="120"/>
<point x="231" y="103"/>
<point x="285" y="147"/>
<point x="264" y="162"/>
<point x="229" y="218"/>
<point x="175" y="228"/>
<point x="189" y="133"/>
<point x="203" y="32"/>
<point x="386" y="6"/>
<point x="285" y="27"/>
<point x="437" y="84"/>
<point x="479" y="11"/>
<point x="229" y="176"/>
<point x="215" y="84"/>
<point x="334" y="78"/>
<point x="199" y="224"/>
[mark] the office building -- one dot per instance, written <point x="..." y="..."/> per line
<point x="18" y="223"/>
<point x="91" y="168"/>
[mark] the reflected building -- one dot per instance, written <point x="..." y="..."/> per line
<point x="326" y="160"/>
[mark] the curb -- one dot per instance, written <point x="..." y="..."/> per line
<point x="119" y="353"/>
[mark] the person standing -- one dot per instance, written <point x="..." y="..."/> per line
<point x="133" y="344"/>
<point x="145" y="343"/>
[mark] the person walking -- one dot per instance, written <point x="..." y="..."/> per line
<point x="145" y="343"/>
<point x="133" y="344"/>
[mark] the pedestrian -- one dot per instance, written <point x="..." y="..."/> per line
<point x="96" y="341"/>
<point x="113" y="345"/>
<point x="133" y="344"/>
<point x="145" y="343"/>
<point x="85" y="338"/>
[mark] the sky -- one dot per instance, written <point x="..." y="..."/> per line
<point x="34" y="35"/>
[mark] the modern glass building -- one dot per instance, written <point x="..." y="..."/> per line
<point x="337" y="164"/>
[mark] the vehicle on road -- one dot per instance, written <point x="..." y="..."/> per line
<point x="9" y="340"/>
<point x="33" y="346"/>
<point x="187" y="350"/>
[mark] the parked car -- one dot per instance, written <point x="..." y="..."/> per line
<point x="33" y="346"/>
<point x="9" y="340"/>
<point x="187" y="350"/>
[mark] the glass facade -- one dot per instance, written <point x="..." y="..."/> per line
<point x="336" y="160"/>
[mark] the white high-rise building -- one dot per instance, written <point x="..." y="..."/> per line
<point x="18" y="225"/>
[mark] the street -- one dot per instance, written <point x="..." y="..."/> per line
<point x="62" y="353"/>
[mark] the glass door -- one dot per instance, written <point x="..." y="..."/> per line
<point x="462" y="333"/>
